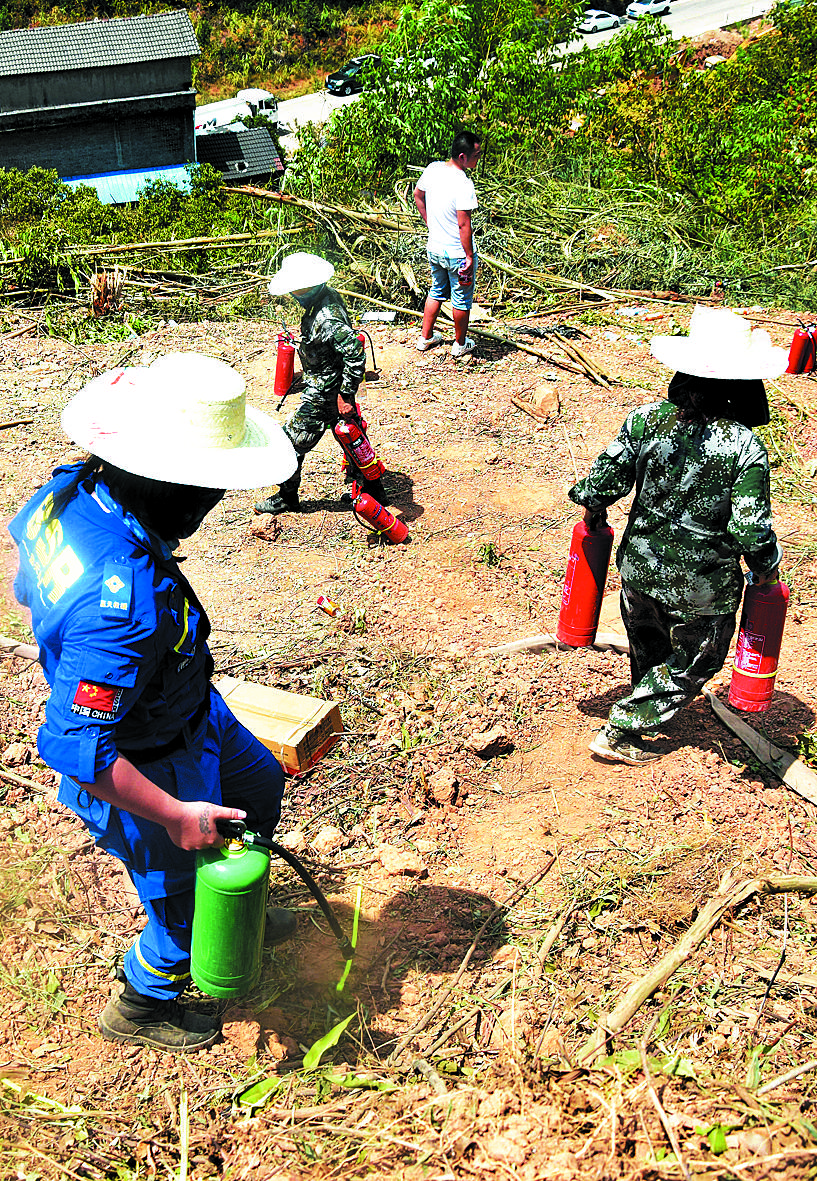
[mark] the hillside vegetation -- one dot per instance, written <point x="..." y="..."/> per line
<point x="626" y="165"/>
<point x="286" y="45"/>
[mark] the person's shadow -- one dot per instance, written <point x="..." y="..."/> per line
<point x="697" y="726"/>
<point x="421" y="931"/>
<point x="400" y="493"/>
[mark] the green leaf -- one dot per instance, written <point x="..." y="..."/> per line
<point x="663" y="1023"/>
<point x="317" y="1051"/>
<point x="257" y="1095"/>
<point x="357" y="1081"/>
<point x="716" y="1135"/>
<point x="753" y="1068"/>
<point x="678" y="1067"/>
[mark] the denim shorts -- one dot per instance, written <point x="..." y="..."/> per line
<point x="445" y="282"/>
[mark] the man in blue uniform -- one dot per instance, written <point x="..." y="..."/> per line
<point x="150" y="755"/>
<point x="701" y="480"/>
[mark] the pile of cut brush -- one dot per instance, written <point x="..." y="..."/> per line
<point x="531" y="258"/>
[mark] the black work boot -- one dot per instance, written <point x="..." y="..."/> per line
<point x="165" y="1025"/>
<point x="286" y="499"/>
<point x="281" y="925"/>
<point x="278" y="503"/>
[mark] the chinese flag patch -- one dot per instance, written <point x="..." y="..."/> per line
<point x="96" y="701"/>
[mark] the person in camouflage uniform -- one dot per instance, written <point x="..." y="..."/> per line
<point x="701" y="481"/>
<point x="334" y="365"/>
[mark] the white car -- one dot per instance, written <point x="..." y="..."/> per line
<point x="647" y="8"/>
<point x="594" y="20"/>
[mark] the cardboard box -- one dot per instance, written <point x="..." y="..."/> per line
<point x="298" y="730"/>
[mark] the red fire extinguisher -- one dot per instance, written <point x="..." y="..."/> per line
<point x="374" y="517"/>
<point x="357" y="448"/>
<point x="585" y="577"/>
<point x="758" y="647"/>
<point x="345" y="464"/>
<point x="803" y="351"/>
<point x="284" y="364"/>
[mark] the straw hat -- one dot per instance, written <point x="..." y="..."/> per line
<point x="721" y="345"/>
<point x="299" y="272"/>
<point x="183" y="419"/>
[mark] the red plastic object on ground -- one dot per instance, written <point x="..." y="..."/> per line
<point x="583" y="590"/>
<point x="758" y="647"/>
<point x="358" y="450"/>
<point x="803" y="351"/>
<point x="284" y="364"/>
<point x="372" y="514"/>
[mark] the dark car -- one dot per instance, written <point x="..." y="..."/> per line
<point x="349" y="78"/>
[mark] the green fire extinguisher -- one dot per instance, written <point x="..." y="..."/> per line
<point x="230" y="910"/>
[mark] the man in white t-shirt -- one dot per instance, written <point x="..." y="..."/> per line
<point x="445" y="196"/>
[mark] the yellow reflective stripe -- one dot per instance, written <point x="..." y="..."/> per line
<point x="149" y="967"/>
<point x="759" y="676"/>
<point x="178" y="647"/>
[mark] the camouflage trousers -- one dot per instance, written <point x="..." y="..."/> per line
<point x="671" y="659"/>
<point x="306" y="427"/>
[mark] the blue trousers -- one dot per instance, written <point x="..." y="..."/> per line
<point x="221" y="762"/>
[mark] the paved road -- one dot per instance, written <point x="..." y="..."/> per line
<point x="687" y="18"/>
<point x="690" y="18"/>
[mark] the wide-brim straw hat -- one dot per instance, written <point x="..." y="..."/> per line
<point x="183" y="419"/>
<point x="299" y="272"/>
<point x="721" y="345"/>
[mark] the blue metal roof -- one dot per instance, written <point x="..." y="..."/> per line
<point x="119" y="188"/>
<point x="90" y="44"/>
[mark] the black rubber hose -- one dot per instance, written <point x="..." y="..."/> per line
<point x="237" y="830"/>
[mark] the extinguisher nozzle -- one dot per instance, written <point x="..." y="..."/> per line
<point x="346" y="949"/>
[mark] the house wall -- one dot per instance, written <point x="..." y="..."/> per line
<point x="105" y="145"/>
<point x="100" y="84"/>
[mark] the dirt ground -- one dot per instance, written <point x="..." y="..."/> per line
<point x="440" y="824"/>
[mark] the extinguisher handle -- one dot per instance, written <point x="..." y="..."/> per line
<point x="231" y="830"/>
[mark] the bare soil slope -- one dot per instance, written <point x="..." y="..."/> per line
<point x="436" y="820"/>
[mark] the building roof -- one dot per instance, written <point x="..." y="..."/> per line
<point x="239" y="154"/>
<point x="119" y="188"/>
<point x="91" y="44"/>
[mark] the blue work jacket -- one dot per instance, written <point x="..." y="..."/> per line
<point x="122" y="635"/>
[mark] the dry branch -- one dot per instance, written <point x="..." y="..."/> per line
<point x="728" y="897"/>
<point x="656" y="1102"/>
<point x="426" y="1019"/>
<point x="9" y="647"/>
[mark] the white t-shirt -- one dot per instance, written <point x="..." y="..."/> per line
<point x="447" y="189"/>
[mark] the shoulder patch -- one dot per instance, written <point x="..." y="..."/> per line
<point x="116" y="592"/>
<point x="614" y="449"/>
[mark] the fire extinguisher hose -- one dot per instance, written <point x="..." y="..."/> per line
<point x="367" y="525"/>
<point x="237" y="830"/>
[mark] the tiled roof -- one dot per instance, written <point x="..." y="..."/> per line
<point x="239" y="153"/>
<point x="97" y="43"/>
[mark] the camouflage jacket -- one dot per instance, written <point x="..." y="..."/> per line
<point x="333" y="359"/>
<point x="701" y="501"/>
